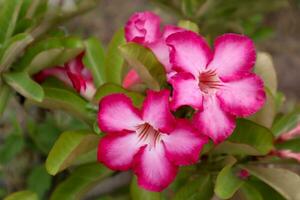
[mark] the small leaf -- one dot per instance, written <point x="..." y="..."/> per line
<point x="23" y="84"/>
<point x="80" y="181"/>
<point x="68" y="147"/>
<point x="282" y="180"/>
<point x="227" y="182"/>
<point x="293" y="145"/>
<point x="22" y="195"/>
<point x="150" y="70"/>
<point x="110" y="88"/>
<point x="186" y="24"/>
<point x="14" y="144"/>
<point x="138" y="193"/>
<point x="286" y="123"/>
<point x="94" y="60"/>
<point x="250" y="192"/>
<point x="199" y="188"/>
<point x="39" y="181"/>
<point x="5" y="92"/>
<point x="113" y="60"/>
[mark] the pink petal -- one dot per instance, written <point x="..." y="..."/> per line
<point x="131" y="79"/>
<point x="189" y="52"/>
<point x="117" y="150"/>
<point x="185" y="91"/>
<point x="116" y="113"/>
<point x="142" y="27"/>
<point x="213" y="121"/>
<point x="153" y="169"/>
<point x="242" y="96"/>
<point x="156" y="110"/>
<point x="170" y="29"/>
<point x="57" y="72"/>
<point x="287" y="154"/>
<point x="161" y="51"/>
<point x="183" y="145"/>
<point x="234" y="54"/>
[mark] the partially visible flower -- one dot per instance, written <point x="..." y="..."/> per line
<point x="73" y="74"/>
<point x="290" y="134"/>
<point x="219" y="84"/>
<point x="287" y="154"/>
<point x="144" y="28"/>
<point x="149" y="141"/>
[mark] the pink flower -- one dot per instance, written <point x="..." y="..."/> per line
<point x="144" y="28"/>
<point x="149" y="141"/>
<point x="287" y="154"/>
<point x="73" y="74"/>
<point x="219" y="84"/>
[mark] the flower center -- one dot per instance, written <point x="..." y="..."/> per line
<point x="209" y="81"/>
<point x="147" y="134"/>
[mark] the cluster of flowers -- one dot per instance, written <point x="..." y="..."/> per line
<point x="218" y="84"/>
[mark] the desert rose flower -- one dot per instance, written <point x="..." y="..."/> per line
<point x="219" y="84"/>
<point x="73" y="74"/>
<point x="144" y="28"/>
<point x="149" y="141"/>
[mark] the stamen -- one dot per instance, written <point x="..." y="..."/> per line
<point x="209" y="81"/>
<point x="147" y="134"/>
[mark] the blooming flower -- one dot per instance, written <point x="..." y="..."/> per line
<point x="144" y="28"/>
<point x="73" y="74"/>
<point x="149" y="141"/>
<point x="220" y="85"/>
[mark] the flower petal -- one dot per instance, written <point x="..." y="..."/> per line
<point x="233" y="54"/>
<point x="154" y="171"/>
<point x="57" y="72"/>
<point x="116" y="113"/>
<point x="183" y="144"/>
<point x="131" y="79"/>
<point x="242" y="96"/>
<point x="185" y="91"/>
<point x="189" y="52"/>
<point x="213" y="121"/>
<point x="156" y="110"/>
<point x="142" y="27"/>
<point x="117" y="150"/>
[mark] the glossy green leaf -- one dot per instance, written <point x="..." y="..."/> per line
<point x="266" y="115"/>
<point x="9" y="13"/>
<point x="23" y="84"/>
<point x="250" y="193"/>
<point x="283" y="181"/>
<point x="235" y="149"/>
<point x="94" y="60"/>
<point x="197" y="188"/>
<point x="22" y="195"/>
<point x="39" y="181"/>
<point x="186" y="24"/>
<point x="50" y="52"/>
<point x="5" y="92"/>
<point x="252" y="134"/>
<point x="113" y="59"/>
<point x="286" y="123"/>
<point x="110" y="88"/>
<point x="138" y="193"/>
<point x="68" y="147"/>
<point x="227" y="182"/>
<point x="150" y="70"/>
<point x="80" y="181"/>
<point x="68" y="101"/>
<point x="264" y="67"/>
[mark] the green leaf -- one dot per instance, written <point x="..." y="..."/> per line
<point x="113" y="60"/>
<point x="68" y="101"/>
<point x="283" y="181"/>
<point x="68" y="147"/>
<point x="110" y="88"/>
<point x="264" y="67"/>
<point x="266" y="115"/>
<point x="150" y="70"/>
<point x="248" y="138"/>
<point x="5" y="92"/>
<point x="94" y="60"/>
<point x="199" y="188"/>
<point x="286" y="123"/>
<point x="80" y="181"/>
<point x="250" y="192"/>
<point x="49" y="53"/>
<point x="293" y="145"/>
<point x="14" y="144"/>
<point x="9" y="13"/>
<point x="186" y="24"/>
<point x="138" y="193"/>
<point x="227" y="182"/>
<point x="23" y="84"/>
<point x="22" y="195"/>
<point x="39" y="181"/>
